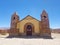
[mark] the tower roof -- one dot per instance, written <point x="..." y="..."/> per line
<point x="15" y="13"/>
<point x="44" y="12"/>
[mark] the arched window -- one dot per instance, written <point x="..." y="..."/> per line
<point x="13" y="18"/>
<point x="29" y="27"/>
<point x="44" y="16"/>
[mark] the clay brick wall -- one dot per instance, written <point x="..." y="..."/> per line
<point x="45" y="29"/>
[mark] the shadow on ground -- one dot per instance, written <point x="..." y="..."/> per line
<point x="30" y="37"/>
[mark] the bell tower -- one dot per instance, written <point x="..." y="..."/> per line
<point x="14" y="20"/>
<point x="13" y="26"/>
<point x="45" y="24"/>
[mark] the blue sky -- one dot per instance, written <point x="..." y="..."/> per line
<point x="30" y="7"/>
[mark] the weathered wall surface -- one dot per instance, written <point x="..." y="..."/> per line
<point x="29" y="19"/>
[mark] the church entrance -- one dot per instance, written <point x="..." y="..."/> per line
<point x="29" y="28"/>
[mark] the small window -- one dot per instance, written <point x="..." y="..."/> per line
<point x="44" y="16"/>
<point x="14" y="18"/>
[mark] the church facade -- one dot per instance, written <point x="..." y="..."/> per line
<point x="29" y="26"/>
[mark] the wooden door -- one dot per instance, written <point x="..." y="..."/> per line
<point x="29" y="30"/>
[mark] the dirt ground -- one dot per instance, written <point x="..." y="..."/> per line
<point x="30" y="41"/>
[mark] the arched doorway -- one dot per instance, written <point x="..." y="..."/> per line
<point x="29" y="29"/>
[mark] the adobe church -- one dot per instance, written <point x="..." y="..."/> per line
<point x="29" y="26"/>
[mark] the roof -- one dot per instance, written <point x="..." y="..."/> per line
<point x="44" y="12"/>
<point x="30" y="17"/>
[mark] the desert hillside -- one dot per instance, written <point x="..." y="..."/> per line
<point x="55" y="30"/>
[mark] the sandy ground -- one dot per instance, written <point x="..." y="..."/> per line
<point x="33" y="41"/>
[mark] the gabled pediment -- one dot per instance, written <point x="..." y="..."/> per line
<point x="29" y="18"/>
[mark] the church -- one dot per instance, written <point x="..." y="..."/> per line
<point x="29" y="26"/>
